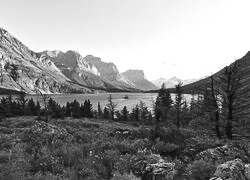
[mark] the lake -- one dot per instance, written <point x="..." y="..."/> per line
<point x="133" y="99"/>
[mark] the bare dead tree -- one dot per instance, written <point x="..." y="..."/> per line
<point x="235" y="94"/>
<point x="212" y="105"/>
<point x="44" y="98"/>
<point x="111" y="106"/>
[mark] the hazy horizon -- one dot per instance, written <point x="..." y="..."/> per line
<point x="165" y="38"/>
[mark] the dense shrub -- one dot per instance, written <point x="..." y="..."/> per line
<point x="168" y="135"/>
<point x="202" y="170"/>
<point x="166" y="149"/>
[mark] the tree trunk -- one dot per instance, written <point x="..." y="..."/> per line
<point x="178" y="118"/>
<point x="228" y="129"/>
<point x="217" y="124"/>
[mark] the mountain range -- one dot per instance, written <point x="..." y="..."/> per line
<point x="61" y="72"/>
<point x="24" y="70"/>
<point x="171" y="82"/>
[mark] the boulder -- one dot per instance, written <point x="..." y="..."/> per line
<point x="159" y="171"/>
<point x="222" y="154"/>
<point x="152" y="167"/>
<point x="232" y="170"/>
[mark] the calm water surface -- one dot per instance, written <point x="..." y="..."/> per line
<point x="118" y="98"/>
<point x="133" y="99"/>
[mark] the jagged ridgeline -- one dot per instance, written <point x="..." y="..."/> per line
<point x="57" y="72"/>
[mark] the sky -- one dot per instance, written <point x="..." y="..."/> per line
<point x="165" y="38"/>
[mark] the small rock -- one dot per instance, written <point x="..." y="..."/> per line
<point x="159" y="171"/>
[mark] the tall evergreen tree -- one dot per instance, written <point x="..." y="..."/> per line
<point x="21" y="99"/>
<point x="111" y="106"/>
<point x="68" y="110"/>
<point x="178" y="102"/>
<point x="124" y="114"/>
<point x="99" y="110"/>
<point x="75" y="109"/>
<point x="163" y="104"/>
<point x="32" y="107"/>
<point x="135" y="114"/>
<point x="105" y="113"/>
<point x="87" y="109"/>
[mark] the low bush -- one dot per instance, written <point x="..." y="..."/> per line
<point x="165" y="149"/>
<point x="168" y="135"/>
<point x="202" y="170"/>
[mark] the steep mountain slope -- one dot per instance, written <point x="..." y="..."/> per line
<point x="74" y="67"/>
<point x="89" y="71"/>
<point x="199" y="86"/>
<point x="35" y="71"/>
<point x="108" y="72"/>
<point x="170" y="83"/>
<point x="138" y="79"/>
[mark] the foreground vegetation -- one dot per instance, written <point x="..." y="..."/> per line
<point x="206" y="139"/>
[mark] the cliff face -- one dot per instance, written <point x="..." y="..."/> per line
<point x="35" y="72"/>
<point x="138" y="79"/>
<point x="59" y="72"/>
<point x="89" y="71"/>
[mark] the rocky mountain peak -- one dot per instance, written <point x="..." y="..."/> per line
<point x="137" y="77"/>
<point x="107" y="70"/>
<point x="135" y="74"/>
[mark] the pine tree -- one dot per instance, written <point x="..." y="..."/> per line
<point x="75" y="109"/>
<point x="124" y="114"/>
<point x="99" y="109"/>
<point x="143" y="111"/>
<point x="105" y="113"/>
<point x="32" y="107"/>
<point x="68" y="110"/>
<point x="135" y="114"/>
<point x="38" y="108"/>
<point x="111" y="106"/>
<point x="87" y="109"/>
<point x="21" y="98"/>
<point x="178" y="102"/>
<point x="163" y="105"/>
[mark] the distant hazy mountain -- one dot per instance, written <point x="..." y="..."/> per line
<point x="171" y="82"/>
<point x="138" y="80"/>
<point x="35" y="71"/>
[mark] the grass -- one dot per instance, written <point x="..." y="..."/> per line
<point x="98" y="149"/>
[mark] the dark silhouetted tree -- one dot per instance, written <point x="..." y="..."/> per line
<point x="99" y="110"/>
<point x="105" y="113"/>
<point x="124" y="114"/>
<point x="163" y="105"/>
<point x="235" y="93"/>
<point x="178" y="102"/>
<point x="111" y="106"/>
<point x="75" y="109"/>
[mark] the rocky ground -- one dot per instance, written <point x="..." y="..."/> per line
<point x="100" y="149"/>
